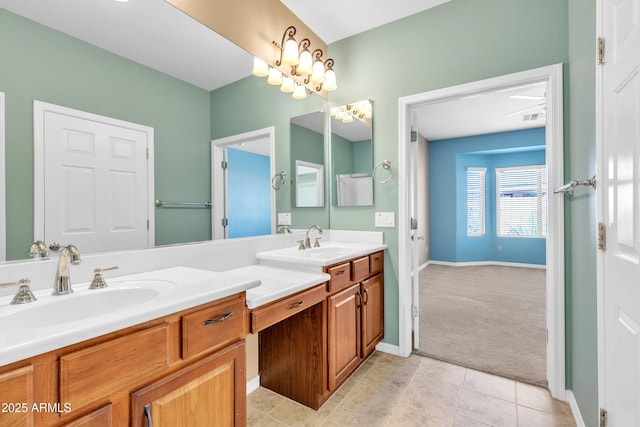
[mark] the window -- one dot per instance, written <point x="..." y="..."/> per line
<point x="475" y="202"/>
<point x="521" y="201"/>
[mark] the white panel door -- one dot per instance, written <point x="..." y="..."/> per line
<point x="620" y="182"/>
<point x="95" y="184"/>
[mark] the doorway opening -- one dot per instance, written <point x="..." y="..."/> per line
<point x="241" y="169"/>
<point x="409" y="325"/>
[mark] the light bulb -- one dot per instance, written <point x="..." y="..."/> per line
<point x="260" y="68"/>
<point x="300" y="92"/>
<point x="288" y="85"/>
<point x="305" y="67"/>
<point x="275" y="77"/>
<point x="290" y="52"/>
<point x="317" y="76"/>
<point x="330" y="80"/>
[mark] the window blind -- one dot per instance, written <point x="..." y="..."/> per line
<point x="475" y="201"/>
<point x="521" y="201"/>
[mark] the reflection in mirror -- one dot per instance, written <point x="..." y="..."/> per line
<point x="352" y="154"/>
<point x="309" y="185"/>
<point x="307" y="157"/>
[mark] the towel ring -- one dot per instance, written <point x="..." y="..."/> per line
<point x="278" y="180"/>
<point x="386" y="164"/>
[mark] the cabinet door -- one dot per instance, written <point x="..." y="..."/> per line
<point x="16" y="397"/>
<point x="210" y="392"/>
<point x="344" y="334"/>
<point x="372" y="313"/>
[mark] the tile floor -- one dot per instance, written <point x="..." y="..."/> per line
<point x="417" y="391"/>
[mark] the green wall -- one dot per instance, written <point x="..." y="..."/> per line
<point x="580" y="211"/>
<point x="46" y="65"/>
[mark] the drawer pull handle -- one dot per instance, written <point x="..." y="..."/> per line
<point x="366" y="297"/>
<point x="218" y="320"/>
<point x="339" y="272"/>
<point x="147" y="413"/>
<point x="377" y="258"/>
<point x="295" y="305"/>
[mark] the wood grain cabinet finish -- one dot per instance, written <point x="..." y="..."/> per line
<point x="93" y="381"/>
<point x="210" y="392"/>
<point x="270" y="314"/>
<point x="376" y="262"/>
<point x="340" y="276"/>
<point x="16" y="397"/>
<point x="372" y="313"/>
<point x="344" y="320"/>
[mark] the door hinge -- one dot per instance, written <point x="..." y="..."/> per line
<point x="148" y="221"/>
<point x="600" y="50"/>
<point x="414" y="224"/>
<point x="225" y="222"/>
<point x="602" y="236"/>
<point x="414" y="311"/>
<point x="147" y="153"/>
<point x="414" y="135"/>
<point x="224" y="165"/>
<point x="603" y="417"/>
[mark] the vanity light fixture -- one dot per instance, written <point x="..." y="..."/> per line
<point x="361" y="110"/>
<point x="306" y="68"/>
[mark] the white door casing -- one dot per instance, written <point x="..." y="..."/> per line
<point x="3" y="180"/>
<point x="93" y="180"/>
<point x="552" y="75"/>
<point x="618" y="200"/>
<point x="218" y="181"/>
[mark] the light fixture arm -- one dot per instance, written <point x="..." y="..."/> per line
<point x="328" y="65"/>
<point x="290" y="32"/>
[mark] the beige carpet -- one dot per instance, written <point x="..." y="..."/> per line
<point x="490" y="318"/>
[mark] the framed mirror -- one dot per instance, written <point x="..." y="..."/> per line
<point x="309" y="185"/>
<point x="307" y="158"/>
<point x="352" y="154"/>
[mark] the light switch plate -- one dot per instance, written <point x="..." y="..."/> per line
<point x="385" y="219"/>
<point x="284" y="218"/>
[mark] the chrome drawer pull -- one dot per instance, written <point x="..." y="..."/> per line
<point x="218" y="320"/>
<point x="295" y="305"/>
<point x="337" y="273"/>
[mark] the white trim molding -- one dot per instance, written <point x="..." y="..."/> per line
<point x="499" y="263"/>
<point x="555" y="286"/>
<point x="253" y="384"/>
<point x="575" y="410"/>
<point x="3" y="180"/>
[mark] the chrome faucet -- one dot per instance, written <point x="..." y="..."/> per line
<point x="307" y="242"/>
<point x="38" y="249"/>
<point x="68" y="255"/>
<point x="283" y="227"/>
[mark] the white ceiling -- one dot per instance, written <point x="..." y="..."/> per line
<point x="155" y="34"/>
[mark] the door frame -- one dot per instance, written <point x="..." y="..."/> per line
<point x="3" y="180"/>
<point x="217" y="175"/>
<point x="555" y="287"/>
<point x="39" y="110"/>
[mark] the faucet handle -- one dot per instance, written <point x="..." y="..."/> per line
<point x="24" y="294"/>
<point x="98" y="281"/>
<point x="316" y="244"/>
<point x="301" y="245"/>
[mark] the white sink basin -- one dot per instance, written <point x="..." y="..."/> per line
<point x="51" y="310"/>
<point x="329" y="253"/>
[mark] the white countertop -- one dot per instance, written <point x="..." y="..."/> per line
<point x="276" y="282"/>
<point x="328" y="253"/>
<point x="51" y="322"/>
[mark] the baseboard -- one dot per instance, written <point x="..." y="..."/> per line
<point x="388" y="348"/>
<point x="499" y="263"/>
<point x="253" y="384"/>
<point x="574" y="408"/>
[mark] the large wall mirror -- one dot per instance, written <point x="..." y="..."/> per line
<point x="352" y="154"/>
<point x="185" y="117"/>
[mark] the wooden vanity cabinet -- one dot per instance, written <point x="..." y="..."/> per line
<point x="355" y="320"/>
<point x="171" y="363"/>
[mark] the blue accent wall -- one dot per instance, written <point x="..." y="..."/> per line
<point x="448" y="163"/>
<point x="248" y="177"/>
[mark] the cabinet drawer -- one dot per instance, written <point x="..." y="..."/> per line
<point x="213" y="327"/>
<point x="98" y="371"/>
<point x="376" y="262"/>
<point x="360" y="268"/>
<point x="340" y="276"/>
<point x="101" y="417"/>
<point x="273" y="313"/>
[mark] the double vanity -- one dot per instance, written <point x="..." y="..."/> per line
<point x="167" y="346"/>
